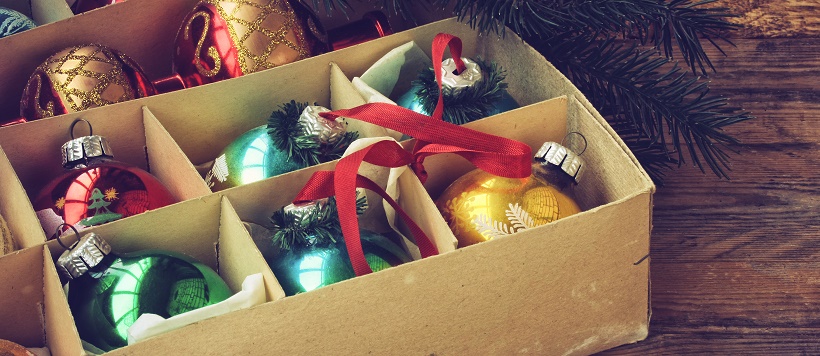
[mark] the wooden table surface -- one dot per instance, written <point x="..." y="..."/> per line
<point x="735" y="265"/>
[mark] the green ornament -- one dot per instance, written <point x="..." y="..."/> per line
<point x="312" y="252"/>
<point x="476" y="93"/>
<point x="294" y="138"/>
<point x="107" y="292"/>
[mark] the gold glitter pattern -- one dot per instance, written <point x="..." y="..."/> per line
<point x="249" y="24"/>
<point x="212" y="52"/>
<point x="48" y="111"/>
<point x="87" y="76"/>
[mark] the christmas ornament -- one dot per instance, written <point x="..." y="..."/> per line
<point x="373" y="25"/>
<point x="8" y="348"/>
<point x="107" y="292"/>
<point x="80" y="6"/>
<point x="295" y="137"/>
<point x="96" y="189"/>
<point x="12" y="22"/>
<point x="82" y="77"/>
<point x="480" y="206"/>
<point x="312" y="252"/>
<point x="223" y="39"/>
<point x="6" y="240"/>
<point x="474" y="93"/>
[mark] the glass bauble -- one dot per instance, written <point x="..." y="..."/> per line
<point x="305" y="268"/>
<point x="82" y="77"/>
<point x="12" y="22"/>
<point x="223" y="39"/>
<point x="251" y="157"/>
<point x="480" y="206"/>
<point x="107" y="298"/>
<point x="102" y="193"/>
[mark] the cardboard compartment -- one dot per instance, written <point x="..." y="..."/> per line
<point x="41" y="11"/>
<point x="206" y="229"/>
<point x="15" y="207"/>
<point x="34" y="310"/>
<point x="135" y="135"/>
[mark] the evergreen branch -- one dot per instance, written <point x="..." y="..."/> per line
<point x="320" y="226"/>
<point x="335" y="150"/>
<point x="463" y="105"/>
<point x="634" y="85"/>
<point x="286" y="132"/>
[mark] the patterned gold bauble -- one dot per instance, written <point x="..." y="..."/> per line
<point x="80" y="78"/>
<point x="6" y="241"/>
<point x="480" y="206"/>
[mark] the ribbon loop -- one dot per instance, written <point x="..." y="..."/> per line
<point x="343" y="183"/>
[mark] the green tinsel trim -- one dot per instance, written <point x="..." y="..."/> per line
<point x="320" y="227"/>
<point x="463" y="105"/>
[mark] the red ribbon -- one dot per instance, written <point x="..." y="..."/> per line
<point x="343" y="184"/>
<point x="496" y="155"/>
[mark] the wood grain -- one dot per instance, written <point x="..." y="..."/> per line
<point x="735" y="265"/>
<point x="775" y="18"/>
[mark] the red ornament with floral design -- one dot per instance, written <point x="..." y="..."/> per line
<point x="96" y="189"/>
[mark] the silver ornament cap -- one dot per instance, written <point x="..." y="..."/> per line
<point x="78" y="151"/>
<point x="467" y="78"/>
<point x="325" y="131"/>
<point x="84" y="255"/>
<point x="555" y="154"/>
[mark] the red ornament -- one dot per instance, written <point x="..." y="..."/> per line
<point x="96" y="189"/>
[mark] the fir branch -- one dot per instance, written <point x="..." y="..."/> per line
<point x="661" y="102"/>
<point x="335" y="150"/>
<point x="463" y="105"/>
<point x="320" y="227"/>
<point x="286" y="133"/>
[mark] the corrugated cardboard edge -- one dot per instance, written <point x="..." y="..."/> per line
<point x="62" y="337"/>
<point x="16" y="208"/>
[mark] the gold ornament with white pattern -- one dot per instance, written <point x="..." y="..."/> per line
<point x="480" y="206"/>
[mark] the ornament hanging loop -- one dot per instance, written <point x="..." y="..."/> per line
<point x="76" y="121"/>
<point x="582" y="137"/>
<point x="76" y="233"/>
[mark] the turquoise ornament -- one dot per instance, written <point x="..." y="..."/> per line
<point x="476" y="93"/>
<point x="295" y="137"/>
<point x="12" y="22"/>
<point x="108" y="292"/>
<point x="312" y="251"/>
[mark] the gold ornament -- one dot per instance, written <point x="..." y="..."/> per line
<point x="266" y="33"/>
<point x="6" y="240"/>
<point x="480" y="206"/>
<point x="83" y="77"/>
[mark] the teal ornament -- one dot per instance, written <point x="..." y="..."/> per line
<point x="295" y="137"/>
<point x="476" y="93"/>
<point x="312" y="251"/>
<point x="12" y="22"/>
<point x="107" y="292"/>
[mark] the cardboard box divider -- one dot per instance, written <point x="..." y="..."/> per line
<point x="41" y="11"/>
<point x="136" y="137"/>
<point x="34" y="309"/>
<point x="578" y="285"/>
<point x="15" y="207"/>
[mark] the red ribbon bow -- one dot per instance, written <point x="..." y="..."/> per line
<point x="496" y="155"/>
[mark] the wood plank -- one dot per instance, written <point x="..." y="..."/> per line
<point x="735" y="264"/>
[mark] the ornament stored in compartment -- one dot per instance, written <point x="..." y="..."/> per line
<point x="480" y="206"/>
<point x="96" y="189"/>
<point x="107" y="292"/>
<point x="82" y="77"/>
<point x="295" y="137"/>
<point x="312" y="251"/>
<point x="6" y="240"/>
<point x="470" y="93"/>
<point x="13" y="22"/>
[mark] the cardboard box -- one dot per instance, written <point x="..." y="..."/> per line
<point x="34" y="311"/>
<point x="575" y="286"/>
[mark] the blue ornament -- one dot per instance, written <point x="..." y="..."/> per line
<point x="12" y="22"/>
